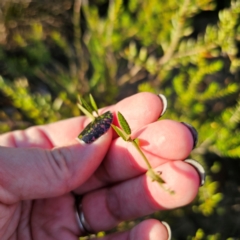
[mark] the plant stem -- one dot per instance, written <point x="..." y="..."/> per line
<point x="142" y="154"/>
<point x="82" y="65"/>
<point x="178" y="34"/>
<point x="151" y="173"/>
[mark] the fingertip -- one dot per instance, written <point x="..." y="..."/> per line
<point x="193" y="131"/>
<point x="103" y="140"/>
<point x="179" y="140"/>
<point x="150" y="229"/>
<point x="164" y="103"/>
<point x="199" y="168"/>
<point x="167" y="226"/>
<point x="140" y="109"/>
<point x="96" y="128"/>
<point x="181" y="178"/>
<point x="171" y="139"/>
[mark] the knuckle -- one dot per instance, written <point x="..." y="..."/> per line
<point x="113" y="205"/>
<point x="60" y="162"/>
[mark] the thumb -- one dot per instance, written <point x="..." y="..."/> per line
<point x="32" y="173"/>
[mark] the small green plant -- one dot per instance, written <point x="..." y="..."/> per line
<point x="91" y="110"/>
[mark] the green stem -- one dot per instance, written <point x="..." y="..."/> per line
<point x="77" y="34"/>
<point x="142" y="154"/>
<point x="150" y="172"/>
<point x="178" y="34"/>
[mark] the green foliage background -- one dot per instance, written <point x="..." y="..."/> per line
<point x="51" y="51"/>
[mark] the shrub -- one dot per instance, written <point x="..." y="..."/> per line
<point x="186" y="49"/>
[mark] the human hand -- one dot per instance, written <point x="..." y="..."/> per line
<point x="41" y="167"/>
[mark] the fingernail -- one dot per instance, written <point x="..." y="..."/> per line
<point x="96" y="128"/>
<point x="164" y="102"/>
<point x="168" y="229"/>
<point x="193" y="132"/>
<point x="199" y="168"/>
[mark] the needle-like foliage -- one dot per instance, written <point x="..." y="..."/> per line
<point x="187" y="50"/>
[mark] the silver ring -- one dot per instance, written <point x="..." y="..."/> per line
<point x="82" y="223"/>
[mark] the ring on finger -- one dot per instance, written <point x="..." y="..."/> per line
<point x="81" y="220"/>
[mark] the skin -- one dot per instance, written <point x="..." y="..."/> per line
<point x="42" y="165"/>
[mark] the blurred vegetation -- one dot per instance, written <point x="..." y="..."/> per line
<point x="51" y="51"/>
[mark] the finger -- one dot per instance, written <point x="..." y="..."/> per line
<point x="105" y="208"/>
<point x="36" y="173"/>
<point x="54" y="218"/>
<point x="161" y="141"/>
<point x="150" y="229"/>
<point x="139" y="110"/>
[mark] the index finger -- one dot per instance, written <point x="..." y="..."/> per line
<point x="139" y="110"/>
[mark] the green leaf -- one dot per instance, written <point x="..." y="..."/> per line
<point x="85" y="111"/>
<point x="86" y="105"/>
<point x="93" y="103"/>
<point x="121" y="133"/>
<point x="79" y="99"/>
<point x="123" y="123"/>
